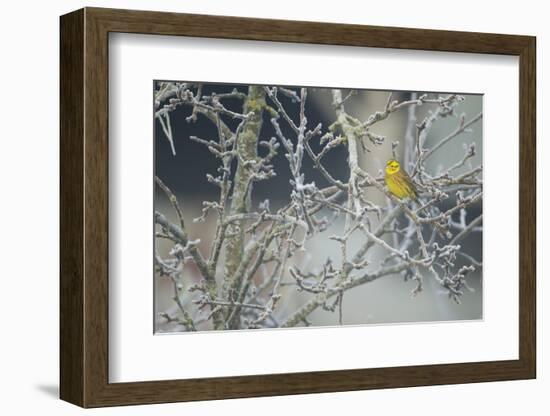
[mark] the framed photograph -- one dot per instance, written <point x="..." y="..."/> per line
<point x="257" y="207"/>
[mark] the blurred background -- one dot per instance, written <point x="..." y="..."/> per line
<point x="386" y="300"/>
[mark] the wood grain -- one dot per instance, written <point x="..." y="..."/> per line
<point x="71" y="218"/>
<point x="84" y="207"/>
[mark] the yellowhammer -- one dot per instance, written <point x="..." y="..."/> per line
<point x="399" y="182"/>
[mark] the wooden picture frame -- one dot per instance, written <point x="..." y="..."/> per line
<point x="84" y="207"/>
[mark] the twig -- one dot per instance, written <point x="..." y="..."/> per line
<point x="461" y="128"/>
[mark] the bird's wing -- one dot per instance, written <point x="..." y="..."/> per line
<point x="406" y="181"/>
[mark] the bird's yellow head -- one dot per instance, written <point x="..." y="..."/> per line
<point x="392" y="166"/>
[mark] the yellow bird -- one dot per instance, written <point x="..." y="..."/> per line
<point x="399" y="182"/>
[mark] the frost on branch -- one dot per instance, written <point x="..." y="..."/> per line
<point x="256" y="263"/>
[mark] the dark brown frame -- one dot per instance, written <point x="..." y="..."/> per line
<point x="84" y="208"/>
